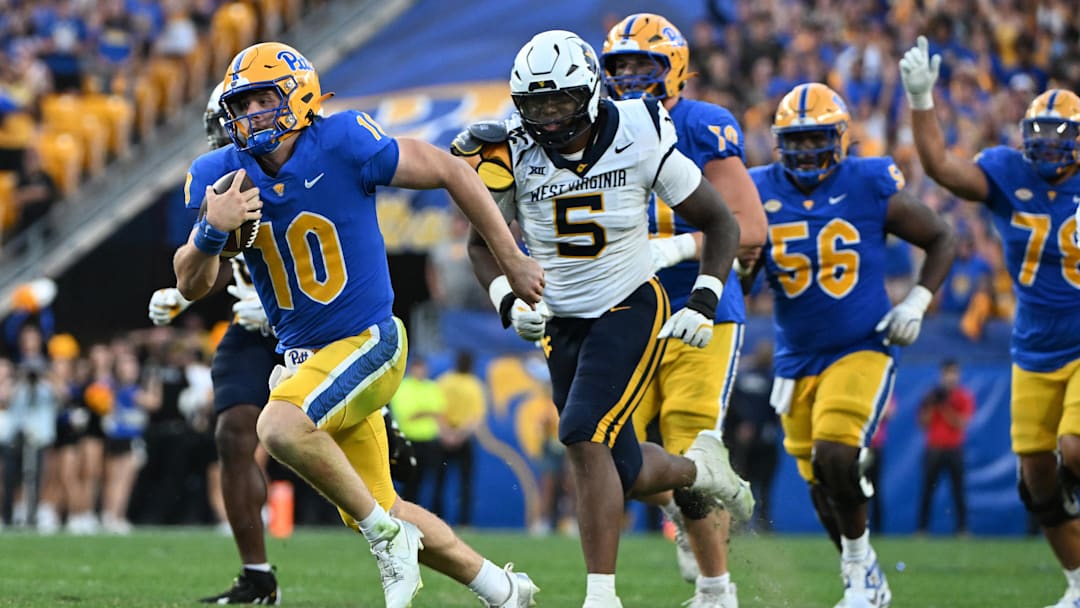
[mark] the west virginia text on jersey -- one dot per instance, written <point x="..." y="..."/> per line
<point x="825" y="261"/>
<point x="1037" y="226"/>
<point x="315" y="285"/>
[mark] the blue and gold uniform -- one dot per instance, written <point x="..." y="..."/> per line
<point x="693" y="385"/>
<point x="319" y="266"/>
<point x="1038" y="228"/>
<point x="824" y="262"/>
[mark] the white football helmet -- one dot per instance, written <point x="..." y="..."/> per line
<point x="555" y="84"/>
<point x="214" y="120"/>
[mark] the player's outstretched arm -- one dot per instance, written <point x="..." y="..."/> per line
<point x="423" y="166"/>
<point x="961" y="176"/>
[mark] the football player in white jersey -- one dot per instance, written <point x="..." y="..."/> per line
<point x="576" y="173"/>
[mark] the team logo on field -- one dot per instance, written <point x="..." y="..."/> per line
<point x="1024" y="194"/>
<point x="772" y="205"/>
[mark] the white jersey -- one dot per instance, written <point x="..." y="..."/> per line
<point x="584" y="220"/>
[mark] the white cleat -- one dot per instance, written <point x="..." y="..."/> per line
<point x="722" y="598"/>
<point x="864" y="584"/>
<point x="716" y="478"/>
<point x="522" y="590"/>
<point x="1071" y="599"/>
<point x="399" y="566"/>
<point x="688" y="566"/>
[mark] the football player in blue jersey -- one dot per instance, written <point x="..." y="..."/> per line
<point x="837" y="336"/>
<point x="645" y="56"/>
<point x="576" y="172"/>
<point x="1032" y="195"/>
<point x="243" y="361"/>
<point x="319" y="266"/>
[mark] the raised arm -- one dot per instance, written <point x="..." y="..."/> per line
<point x="961" y="176"/>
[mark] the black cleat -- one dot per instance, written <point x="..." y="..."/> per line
<point x="251" y="587"/>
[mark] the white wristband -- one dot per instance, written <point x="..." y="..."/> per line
<point x="920" y="297"/>
<point x="921" y="101"/>
<point x="498" y="289"/>
<point x="707" y="281"/>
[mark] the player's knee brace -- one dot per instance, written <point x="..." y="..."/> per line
<point x="1060" y="508"/>
<point x="693" y="504"/>
<point x="855" y="488"/>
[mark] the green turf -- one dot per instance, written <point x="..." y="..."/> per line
<point x="332" y="568"/>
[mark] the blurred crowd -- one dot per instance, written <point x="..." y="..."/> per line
<point x="82" y="81"/>
<point x="997" y="56"/>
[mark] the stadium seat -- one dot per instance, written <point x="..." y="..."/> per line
<point x="66" y="113"/>
<point x="169" y="78"/>
<point x="118" y="115"/>
<point x="146" y="106"/>
<point x="17" y="130"/>
<point x="62" y="158"/>
<point x="9" y="211"/>
<point x="232" y="28"/>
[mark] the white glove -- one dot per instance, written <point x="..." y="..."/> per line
<point x="902" y="324"/>
<point x="166" y="304"/>
<point x="279" y="374"/>
<point x="248" y="309"/>
<point x="919" y="71"/>
<point x="691" y="325"/>
<point x="529" y="322"/>
<point x="670" y="251"/>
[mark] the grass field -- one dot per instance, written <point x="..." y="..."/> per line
<point x="331" y="568"/>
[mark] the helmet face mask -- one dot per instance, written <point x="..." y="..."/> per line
<point x="285" y="88"/>
<point x="214" y="121"/>
<point x="555" y="85"/>
<point x="1051" y="131"/>
<point x="811" y="129"/>
<point x="652" y="38"/>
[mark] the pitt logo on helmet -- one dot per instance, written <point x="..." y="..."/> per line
<point x="645" y="55"/>
<point x="295" y="61"/>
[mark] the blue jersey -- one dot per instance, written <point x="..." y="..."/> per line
<point x="1036" y="224"/>
<point x="706" y="132"/>
<point x="126" y="420"/>
<point x="319" y="261"/>
<point x="825" y="261"/>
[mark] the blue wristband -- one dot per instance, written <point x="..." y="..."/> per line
<point x="208" y="239"/>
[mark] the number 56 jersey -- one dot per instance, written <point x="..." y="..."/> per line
<point x="825" y="261"/>
<point x="584" y="219"/>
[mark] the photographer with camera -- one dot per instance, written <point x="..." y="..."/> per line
<point x="944" y="414"/>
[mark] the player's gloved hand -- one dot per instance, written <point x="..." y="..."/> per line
<point x="528" y="321"/>
<point x="670" y="251"/>
<point x="279" y="374"/>
<point x="248" y="309"/>
<point x="166" y="304"/>
<point x="918" y="72"/>
<point x="694" y="323"/>
<point x="902" y="324"/>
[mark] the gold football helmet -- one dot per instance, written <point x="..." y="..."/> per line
<point x="1051" y="128"/>
<point x="282" y="69"/>
<point x="811" y="129"/>
<point x="654" y="38"/>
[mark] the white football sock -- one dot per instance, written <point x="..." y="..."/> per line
<point x="377" y="525"/>
<point x="1074" y="578"/>
<point x="263" y="567"/>
<point x="713" y="583"/>
<point x="855" y="549"/>
<point x="491" y="584"/>
<point x="600" y="586"/>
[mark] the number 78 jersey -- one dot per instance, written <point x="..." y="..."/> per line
<point x="1038" y="232"/>
<point x="585" y="220"/>
<point x="825" y="259"/>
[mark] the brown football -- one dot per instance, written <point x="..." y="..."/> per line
<point x="244" y="236"/>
